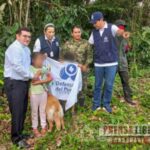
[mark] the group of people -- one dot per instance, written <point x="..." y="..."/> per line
<point x="24" y="76"/>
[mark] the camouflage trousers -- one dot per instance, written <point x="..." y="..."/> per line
<point x="82" y="94"/>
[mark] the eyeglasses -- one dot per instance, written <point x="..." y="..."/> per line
<point x="26" y="36"/>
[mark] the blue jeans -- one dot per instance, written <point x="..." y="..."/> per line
<point x="106" y="75"/>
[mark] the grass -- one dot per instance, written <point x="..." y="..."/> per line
<point x="82" y="130"/>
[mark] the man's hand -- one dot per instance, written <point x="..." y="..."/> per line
<point x="126" y="35"/>
<point x="123" y="33"/>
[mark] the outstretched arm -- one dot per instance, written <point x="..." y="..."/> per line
<point x="123" y="33"/>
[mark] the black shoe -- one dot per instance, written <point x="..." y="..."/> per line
<point x="81" y="102"/>
<point x="26" y="136"/>
<point x="23" y="144"/>
<point x="130" y="102"/>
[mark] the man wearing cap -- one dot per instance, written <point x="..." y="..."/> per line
<point x="123" y="48"/>
<point x="105" y="59"/>
<point x="48" y="43"/>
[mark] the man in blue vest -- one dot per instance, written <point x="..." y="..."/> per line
<point x="105" y="59"/>
<point x="48" y="43"/>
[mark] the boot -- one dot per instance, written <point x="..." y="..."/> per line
<point x="130" y="102"/>
<point x="81" y="101"/>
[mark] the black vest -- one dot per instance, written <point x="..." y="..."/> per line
<point x="105" y="46"/>
<point x="50" y="47"/>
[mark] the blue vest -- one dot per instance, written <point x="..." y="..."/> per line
<point x="50" y="47"/>
<point x="105" y="49"/>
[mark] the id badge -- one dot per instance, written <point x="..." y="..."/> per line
<point x="51" y="54"/>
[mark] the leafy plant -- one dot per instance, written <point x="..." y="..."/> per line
<point x="140" y="54"/>
<point x="65" y="17"/>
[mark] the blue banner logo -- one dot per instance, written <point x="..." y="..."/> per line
<point x="69" y="71"/>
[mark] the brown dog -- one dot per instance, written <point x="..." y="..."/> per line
<point x="54" y="113"/>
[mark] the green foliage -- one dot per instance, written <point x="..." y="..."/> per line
<point x="82" y="130"/>
<point x="140" y="54"/>
<point x="9" y="35"/>
<point x="65" y="17"/>
<point x="1" y="77"/>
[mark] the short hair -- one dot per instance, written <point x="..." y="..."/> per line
<point x="49" y="25"/>
<point x="22" y="29"/>
<point x="35" y="55"/>
<point x="76" y="26"/>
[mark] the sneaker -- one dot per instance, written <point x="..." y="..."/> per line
<point x="95" y="108"/>
<point x="23" y="144"/>
<point x="103" y="108"/>
<point x="108" y="109"/>
<point x="98" y="108"/>
<point x="36" y="133"/>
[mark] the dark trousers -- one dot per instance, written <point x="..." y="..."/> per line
<point x="124" y="76"/>
<point x="17" y="95"/>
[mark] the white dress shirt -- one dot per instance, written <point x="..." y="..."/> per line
<point x="17" y="62"/>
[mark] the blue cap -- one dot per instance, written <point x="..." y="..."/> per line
<point x="96" y="16"/>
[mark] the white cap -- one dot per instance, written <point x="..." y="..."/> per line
<point x="49" y="25"/>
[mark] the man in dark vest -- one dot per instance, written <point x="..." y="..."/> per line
<point x="105" y="59"/>
<point x="48" y="43"/>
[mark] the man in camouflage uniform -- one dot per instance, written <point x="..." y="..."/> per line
<point x="123" y="47"/>
<point x="78" y="50"/>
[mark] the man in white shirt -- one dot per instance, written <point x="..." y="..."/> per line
<point x="17" y="76"/>
<point x="105" y="59"/>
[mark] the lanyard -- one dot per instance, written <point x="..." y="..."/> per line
<point x="50" y="46"/>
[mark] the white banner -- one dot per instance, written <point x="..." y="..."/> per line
<point x="67" y="81"/>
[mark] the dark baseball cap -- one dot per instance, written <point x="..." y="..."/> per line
<point x="120" y="22"/>
<point x="96" y="16"/>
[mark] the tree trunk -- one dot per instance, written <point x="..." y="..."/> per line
<point x="27" y="13"/>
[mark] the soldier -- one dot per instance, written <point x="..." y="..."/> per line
<point x="123" y="48"/>
<point x="78" y="50"/>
